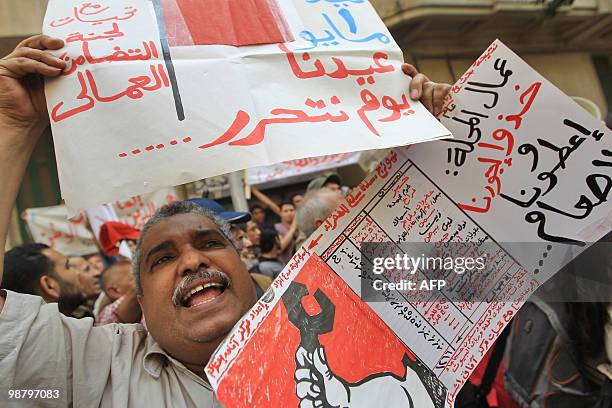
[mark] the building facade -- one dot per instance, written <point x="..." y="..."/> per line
<point x="568" y="41"/>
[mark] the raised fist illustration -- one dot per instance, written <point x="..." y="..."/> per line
<point x="318" y="387"/>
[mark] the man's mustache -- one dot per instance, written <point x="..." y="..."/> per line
<point x="202" y="273"/>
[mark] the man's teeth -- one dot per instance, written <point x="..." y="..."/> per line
<point x="200" y="288"/>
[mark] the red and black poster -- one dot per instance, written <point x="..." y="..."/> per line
<point x="321" y="346"/>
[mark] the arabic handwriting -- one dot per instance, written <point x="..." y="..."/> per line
<point x="532" y="92"/>
<point x="341" y="71"/>
<point x="334" y="34"/>
<point x="585" y="203"/>
<point x="370" y="103"/>
<point x="134" y="91"/>
<point x="258" y="133"/>
<point x="136" y="54"/>
<point x="106" y="35"/>
<point x="83" y="95"/>
<point x="537" y="217"/>
<point x="80" y="14"/>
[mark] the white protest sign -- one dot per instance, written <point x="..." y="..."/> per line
<point x="299" y="167"/>
<point x="51" y="226"/>
<point x="137" y="210"/>
<point x="533" y="156"/>
<point x="411" y="198"/>
<point x="155" y="95"/>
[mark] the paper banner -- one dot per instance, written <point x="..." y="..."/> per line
<point x="150" y="114"/>
<point x="51" y="226"/>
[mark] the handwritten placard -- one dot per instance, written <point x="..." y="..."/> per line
<point x="414" y="196"/>
<point x="534" y="155"/>
<point x="51" y="226"/>
<point x="299" y="167"/>
<point x="147" y="102"/>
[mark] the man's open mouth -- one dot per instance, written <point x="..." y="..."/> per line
<point x="201" y="293"/>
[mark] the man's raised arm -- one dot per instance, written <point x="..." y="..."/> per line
<point x="23" y="117"/>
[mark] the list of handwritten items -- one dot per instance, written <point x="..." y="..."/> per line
<point x="336" y="73"/>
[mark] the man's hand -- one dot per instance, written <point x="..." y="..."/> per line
<point x="316" y="386"/>
<point x="22" y="99"/>
<point x="431" y="94"/>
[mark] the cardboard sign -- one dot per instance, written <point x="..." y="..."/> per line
<point x="158" y="99"/>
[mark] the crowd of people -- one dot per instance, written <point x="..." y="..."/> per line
<point x="195" y="269"/>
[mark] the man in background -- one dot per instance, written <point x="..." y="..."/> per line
<point x="258" y="214"/>
<point x="88" y="277"/>
<point x="253" y="232"/>
<point x="269" y="264"/>
<point x="36" y="269"/>
<point x="317" y="205"/>
<point x="331" y="182"/>
<point x="118" y="284"/>
<point x="287" y="231"/>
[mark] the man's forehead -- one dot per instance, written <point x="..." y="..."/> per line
<point x="55" y="256"/>
<point x="177" y="226"/>
<point x="77" y="260"/>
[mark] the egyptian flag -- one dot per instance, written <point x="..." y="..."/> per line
<point x="228" y="22"/>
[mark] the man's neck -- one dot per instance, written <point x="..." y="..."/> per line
<point x="197" y="370"/>
<point x="270" y="255"/>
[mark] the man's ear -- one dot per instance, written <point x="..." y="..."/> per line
<point x="113" y="291"/>
<point x="49" y="288"/>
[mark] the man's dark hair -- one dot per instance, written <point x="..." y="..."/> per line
<point x="267" y="240"/>
<point x="257" y="207"/>
<point x="24" y="265"/>
<point x="286" y="203"/>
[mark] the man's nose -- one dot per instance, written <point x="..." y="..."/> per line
<point x="190" y="260"/>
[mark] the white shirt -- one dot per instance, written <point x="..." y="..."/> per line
<point x="117" y="365"/>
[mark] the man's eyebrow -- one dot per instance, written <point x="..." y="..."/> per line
<point x="160" y="247"/>
<point x="208" y="233"/>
